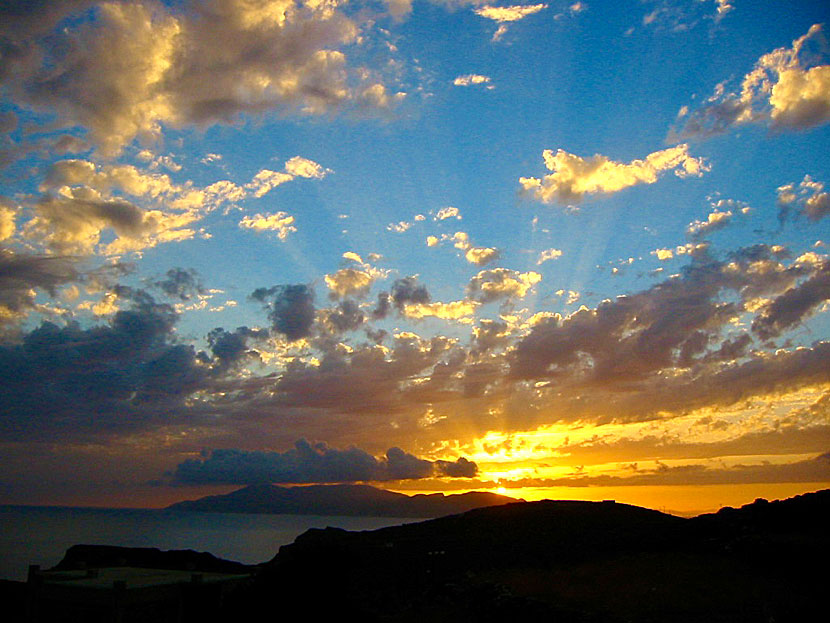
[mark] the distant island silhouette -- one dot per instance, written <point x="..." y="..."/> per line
<point x="353" y="500"/>
<point x="558" y="561"/>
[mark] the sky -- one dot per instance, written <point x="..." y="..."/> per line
<point x="569" y="249"/>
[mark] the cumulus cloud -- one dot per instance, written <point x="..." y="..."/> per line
<point x="21" y="275"/>
<point x="231" y="347"/>
<point x="316" y="463"/>
<point x="795" y="304"/>
<point x="506" y="14"/>
<point x="399" y="227"/>
<point x="783" y="91"/>
<point x="140" y="65"/>
<point x="281" y="223"/>
<point x="454" y="310"/>
<point x="346" y="316"/>
<point x="675" y="343"/>
<point x="548" y="254"/>
<point x="349" y="282"/>
<point x="408" y="291"/>
<point x="481" y="256"/>
<point x="447" y="212"/>
<point x="83" y="201"/>
<point x="472" y="79"/>
<point x="572" y="177"/>
<point x="290" y="309"/>
<point x="69" y="382"/>
<point x="808" y="198"/>
<point x="501" y="284"/>
<point x="181" y="283"/>
<point x="715" y="221"/>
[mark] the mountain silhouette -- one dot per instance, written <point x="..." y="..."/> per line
<point x="559" y="561"/>
<point x="569" y="562"/>
<point x="355" y="500"/>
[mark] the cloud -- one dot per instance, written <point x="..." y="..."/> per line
<point x="180" y="283"/>
<point x="782" y="91"/>
<point x="548" y="254"/>
<point x="347" y="316"/>
<point x="74" y="222"/>
<point x="290" y="310"/>
<point x="349" y="282"/>
<point x="315" y="463"/>
<point x="480" y="256"/>
<point x="140" y="65"/>
<point x="74" y="383"/>
<point x="716" y="220"/>
<point x="454" y="310"/>
<point x="231" y="347"/>
<point x="572" y="177"/>
<point x="447" y="212"/>
<point x="281" y="223"/>
<point x="22" y="274"/>
<point x="399" y="227"/>
<point x="809" y="198"/>
<point x="408" y="291"/>
<point x="266" y="180"/>
<point x="794" y="305"/>
<point x="501" y="284"/>
<point x="472" y="79"/>
<point x="507" y="14"/>
<point x="811" y="470"/>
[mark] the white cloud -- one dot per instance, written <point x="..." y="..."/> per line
<point x="501" y="283"/>
<point x="809" y="198"/>
<point x="472" y="79"/>
<point x="280" y="223"/>
<point x="507" y="14"/>
<point x="784" y="90"/>
<point x="447" y="212"/>
<point x="572" y="176"/>
<point x="140" y="65"/>
<point x="399" y="227"/>
<point x="548" y="254"/>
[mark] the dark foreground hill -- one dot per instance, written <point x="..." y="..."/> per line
<point x="564" y="562"/>
<point x="357" y="500"/>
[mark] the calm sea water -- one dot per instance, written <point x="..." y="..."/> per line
<point x="41" y="535"/>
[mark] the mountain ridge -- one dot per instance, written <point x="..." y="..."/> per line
<point x="341" y="499"/>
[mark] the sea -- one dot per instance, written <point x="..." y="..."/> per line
<point x="41" y="534"/>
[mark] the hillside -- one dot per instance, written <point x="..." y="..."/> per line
<point x="570" y="562"/>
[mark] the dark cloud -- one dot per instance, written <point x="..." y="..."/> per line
<point x="383" y="307"/>
<point x="21" y="273"/>
<point x="408" y="291"/>
<point x="347" y="316"/>
<point x="811" y="470"/>
<point x="180" y="283"/>
<point x="794" y="305"/>
<point x="404" y="292"/>
<point x="73" y="382"/>
<point x="628" y="337"/>
<point x="290" y="310"/>
<point x="231" y="347"/>
<point x="315" y="463"/>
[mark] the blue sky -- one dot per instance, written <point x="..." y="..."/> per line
<point x="549" y="247"/>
